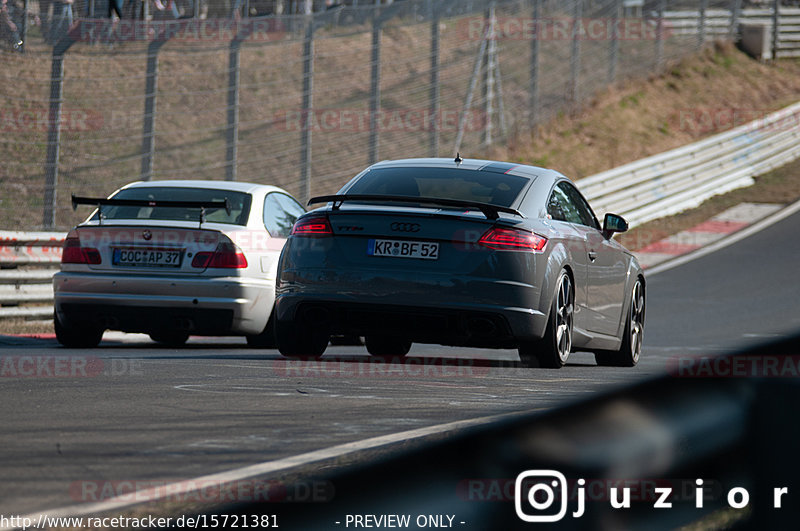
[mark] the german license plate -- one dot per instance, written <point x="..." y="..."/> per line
<point x="403" y="249"/>
<point x="147" y="257"/>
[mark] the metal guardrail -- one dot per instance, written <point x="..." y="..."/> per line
<point x="643" y="190"/>
<point x="717" y="23"/>
<point x="28" y="261"/>
<point x="683" y="178"/>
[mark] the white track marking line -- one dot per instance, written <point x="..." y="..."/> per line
<point x="260" y="469"/>
<point x="725" y="242"/>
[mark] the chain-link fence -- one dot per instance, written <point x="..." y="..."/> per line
<point x="221" y="90"/>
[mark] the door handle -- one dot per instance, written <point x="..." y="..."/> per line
<point x="592" y="256"/>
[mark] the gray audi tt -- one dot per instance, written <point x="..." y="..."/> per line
<point x="464" y="253"/>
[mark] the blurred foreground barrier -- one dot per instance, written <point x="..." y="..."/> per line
<point x="720" y="420"/>
<point x="683" y="178"/>
<point x="27" y="263"/>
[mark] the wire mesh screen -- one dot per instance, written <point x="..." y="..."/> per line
<point x="300" y="94"/>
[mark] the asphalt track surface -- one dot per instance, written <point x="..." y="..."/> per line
<point x="135" y="412"/>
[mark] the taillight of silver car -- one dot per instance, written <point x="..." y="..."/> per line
<point x="73" y="253"/>
<point x="225" y="256"/>
<point x="512" y="240"/>
<point x="312" y="226"/>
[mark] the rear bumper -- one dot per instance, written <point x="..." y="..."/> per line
<point x="466" y="311"/>
<point x="202" y="306"/>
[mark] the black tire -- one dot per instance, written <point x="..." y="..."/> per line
<point x="552" y="351"/>
<point x="303" y="342"/>
<point x="631" y="348"/>
<point x="171" y="338"/>
<point x="387" y="346"/>
<point x="266" y="339"/>
<point x="77" y="336"/>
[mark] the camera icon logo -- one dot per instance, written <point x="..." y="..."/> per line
<point x="535" y="492"/>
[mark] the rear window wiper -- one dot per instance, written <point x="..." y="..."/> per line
<point x="489" y="210"/>
<point x="100" y="202"/>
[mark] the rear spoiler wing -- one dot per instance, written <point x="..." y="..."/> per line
<point x="101" y="202"/>
<point x="489" y="210"/>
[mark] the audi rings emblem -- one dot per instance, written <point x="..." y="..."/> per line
<point x="146" y="234"/>
<point x="405" y="227"/>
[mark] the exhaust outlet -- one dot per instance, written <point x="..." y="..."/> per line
<point x="481" y="327"/>
<point x="108" y="322"/>
<point x="317" y="315"/>
<point x="184" y="324"/>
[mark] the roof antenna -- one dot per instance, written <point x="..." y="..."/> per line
<point x="459" y="160"/>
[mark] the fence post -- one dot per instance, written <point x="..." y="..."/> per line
<point x="701" y="24"/>
<point x="736" y="6"/>
<point x="488" y="82"/>
<point x="375" y="89"/>
<point x="534" y="85"/>
<point x="613" y="50"/>
<point x="232" y="131"/>
<point x="660" y="35"/>
<point x="53" y="140"/>
<point x="776" y="22"/>
<point x="54" y="131"/>
<point x="151" y="88"/>
<point x="23" y="31"/>
<point x="473" y="83"/>
<point x="307" y="118"/>
<point x="575" y="55"/>
<point x="434" y="92"/>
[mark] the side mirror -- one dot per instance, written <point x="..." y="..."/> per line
<point x="614" y="223"/>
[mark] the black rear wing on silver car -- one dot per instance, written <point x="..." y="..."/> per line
<point x="100" y="202"/>
<point x="489" y="210"/>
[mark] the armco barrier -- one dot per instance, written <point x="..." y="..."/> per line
<point x="27" y="263"/>
<point x="643" y="190"/>
<point x="683" y="178"/>
<point x="23" y="248"/>
<point x="718" y="24"/>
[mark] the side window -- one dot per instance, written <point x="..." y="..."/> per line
<point x="567" y="204"/>
<point x="280" y="213"/>
<point x="584" y="210"/>
<point x="561" y="208"/>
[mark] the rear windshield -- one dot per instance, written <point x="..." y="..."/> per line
<point x="240" y="205"/>
<point x="443" y="183"/>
